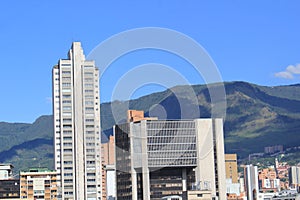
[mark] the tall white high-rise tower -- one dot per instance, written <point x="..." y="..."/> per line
<point x="76" y="111"/>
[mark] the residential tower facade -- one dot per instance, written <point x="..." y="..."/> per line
<point x="76" y="112"/>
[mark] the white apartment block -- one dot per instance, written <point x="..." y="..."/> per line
<point x="76" y="111"/>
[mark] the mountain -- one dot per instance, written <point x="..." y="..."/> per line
<point x="26" y="145"/>
<point x="256" y="116"/>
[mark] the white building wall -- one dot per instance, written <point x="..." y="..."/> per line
<point x="210" y="152"/>
<point x="219" y="142"/>
<point x="205" y="171"/>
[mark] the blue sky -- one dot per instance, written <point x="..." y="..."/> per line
<point x="253" y="41"/>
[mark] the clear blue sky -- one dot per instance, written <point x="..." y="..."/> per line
<point x="253" y="41"/>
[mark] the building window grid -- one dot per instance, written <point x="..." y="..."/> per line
<point x="160" y="125"/>
<point x="171" y="143"/>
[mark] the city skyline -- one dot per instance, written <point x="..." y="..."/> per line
<point x="248" y="41"/>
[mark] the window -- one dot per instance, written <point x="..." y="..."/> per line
<point x="89" y="103"/>
<point x="68" y="193"/>
<point x="67" y="107"/>
<point x="67" y="132"/>
<point x="88" y="80"/>
<point x="69" y="187"/>
<point x="89" y="96"/>
<point x="88" y="85"/>
<point x="88" y="73"/>
<point x="66" y="72"/>
<point x="90" y="132"/>
<point x="65" y="65"/>
<point x="67" y="120"/>
<point x="66" y="96"/>
<point x="66" y="84"/>
<point x="66" y="79"/>
<point x="67" y="144"/>
<point x="90" y="156"/>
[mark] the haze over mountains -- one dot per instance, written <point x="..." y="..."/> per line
<point x="257" y="116"/>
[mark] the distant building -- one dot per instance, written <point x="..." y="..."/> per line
<point x="38" y="183"/>
<point x="231" y="167"/>
<point x="232" y="184"/>
<point x="291" y="194"/>
<point x="273" y="149"/>
<point x="158" y="159"/>
<point x="9" y="186"/>
<point x="6" y="171"/>
<point x="294" y="177"/>
<point x="137" y="115"/>
<point x="232" y="188"/>
<point x="268" y="181"/>
<point x="283" y="173"/>
<point x="251" y="182"/>
<point x="76" y="113"/>
<point x="108" y="169"/>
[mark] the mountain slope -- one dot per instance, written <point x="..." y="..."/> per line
<point x="257" y="116"/>
<point x="27" y="145"/>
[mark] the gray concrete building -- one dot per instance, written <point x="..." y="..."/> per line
<point x="76" y="111"/>
<point x="157" y="159"/>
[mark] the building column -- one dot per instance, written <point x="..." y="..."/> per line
<point x="184" y="184"/>
<point x="146" y="183"/>
<point x="145" y="166"/>
<point x="134" y="184"/>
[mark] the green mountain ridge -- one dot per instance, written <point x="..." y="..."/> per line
<point x="256" y="116"/>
